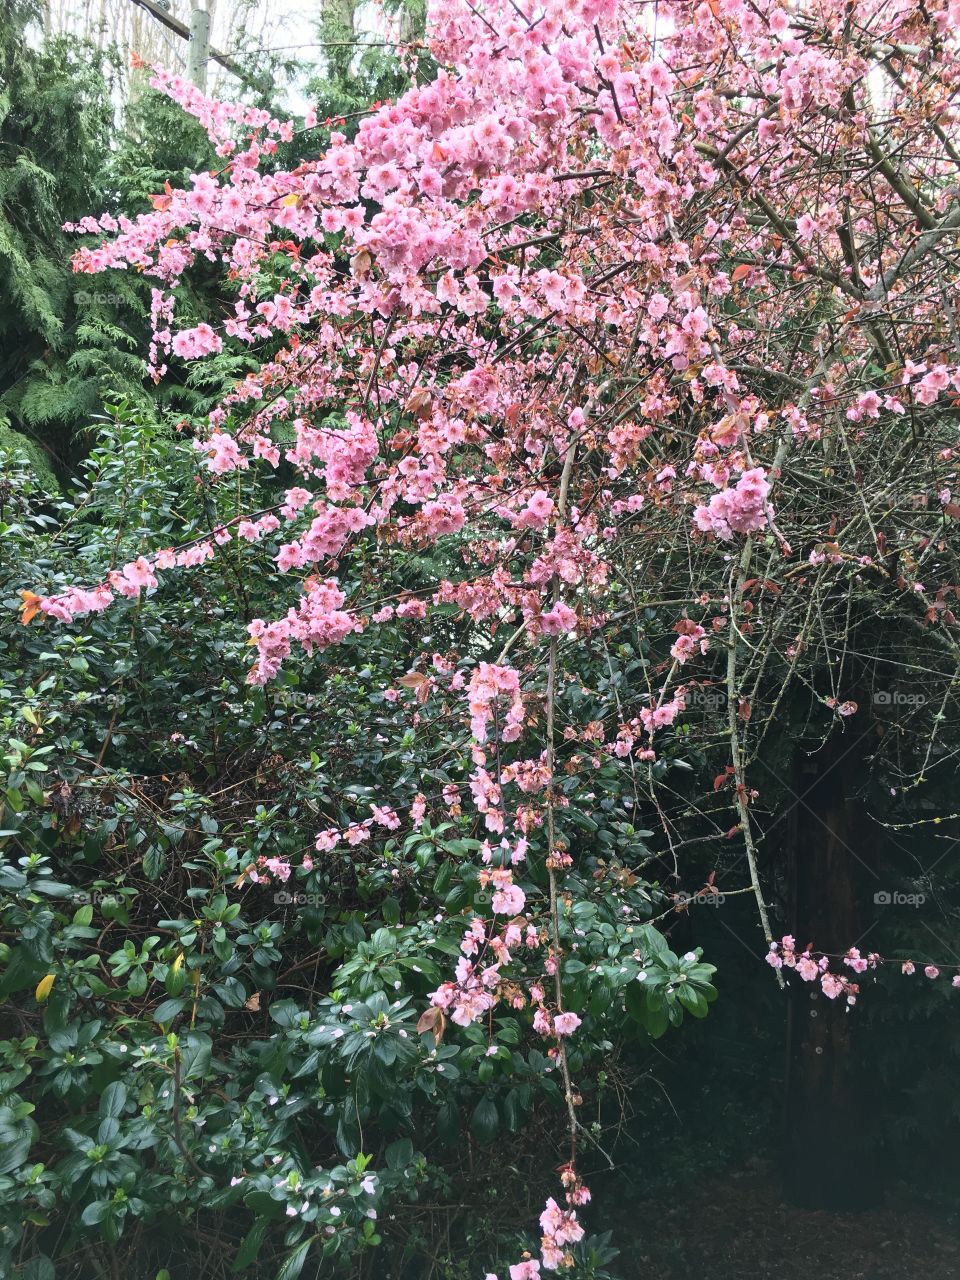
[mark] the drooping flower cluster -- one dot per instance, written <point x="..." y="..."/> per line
<point x="560" y="1228"/>
<point x="813" y="966"/>
<point x="478" y="983"/>
<point x="489" y="687"/>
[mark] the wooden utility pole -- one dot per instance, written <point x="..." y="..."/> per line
<point x="198" y="50"/>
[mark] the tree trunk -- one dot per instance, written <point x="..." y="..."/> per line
<point x="831" y="856"/>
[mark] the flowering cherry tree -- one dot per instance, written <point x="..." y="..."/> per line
<point x="630" y="305"/>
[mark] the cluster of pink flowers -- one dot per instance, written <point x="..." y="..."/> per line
<point x="359" y="832"/>
<point x="560" y="1228"/>
<point x="663" y="713"/>
<point x="75" y="602"/>
<point x="933" y="383"/>
<point x="529" y="775"/>
<point x="930" y="971"/>
<point x="191" y="344"/>
<point x="222" y="453"/>
<point x="489" y="687"/>
<point x="812" y="966"/>
<point x="471" y="995"/>
<point x="556" y="620"/>
<point x="477" y="985"/>
<point x="133" y="578"/>
<point x="280" y="869"/>
<point x="318" y="622"/>
<point x="487" y="797"/>
<point x="508" y="898"/>
<point x="816" y="968"/>
<point x="560" y="1024"/>
<point x="129" y="580"/>
<point x="741" y="509"/>
<point x="691" y="638"/>
<point x="536" y="513"/>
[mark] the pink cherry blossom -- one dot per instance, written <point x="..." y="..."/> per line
<point x="565" y="1024"/>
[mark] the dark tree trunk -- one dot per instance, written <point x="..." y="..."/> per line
<point x="832" y="860"/>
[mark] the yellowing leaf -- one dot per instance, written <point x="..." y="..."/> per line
<point x="432" y="1020"/>
<point x="361" y="262"/>
<point x="44" y="987"/>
